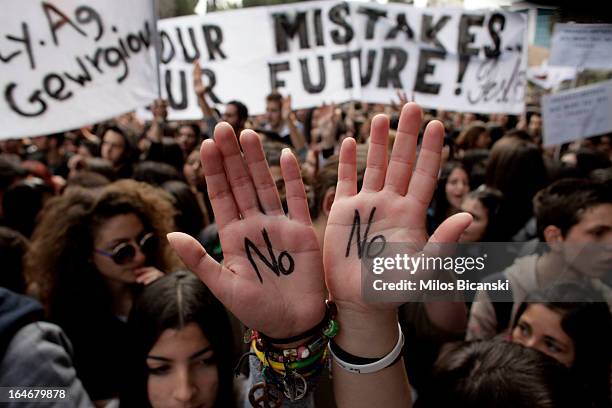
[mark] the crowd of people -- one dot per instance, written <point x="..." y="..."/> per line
<point x="96" y="297"/>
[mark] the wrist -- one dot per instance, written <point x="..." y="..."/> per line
<point x="309" y="328"/>
<point x="367" y="334"/>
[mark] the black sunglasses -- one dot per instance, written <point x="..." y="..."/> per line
<point x="125" y="252"/>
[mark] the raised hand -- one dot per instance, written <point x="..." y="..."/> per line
<point x="198" y="86"/>
<point x="391" y="206"/>
<point x="286" y="107"/>
<point x="272" y="274"/>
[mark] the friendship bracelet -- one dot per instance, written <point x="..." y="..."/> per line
<point x="370" y="367"/>
<point x="291" y="355"/>
<point x="281" y="367"/>
<point x="328" y="326"/>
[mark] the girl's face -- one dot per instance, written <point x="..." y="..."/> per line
<point x="457" y="187"/>
<point x="113" y="147"/>
<point x="483" y="141"/>
<point x="193" y="171"/>
<point x="186" y="139"/>
<point x="475" y="232"/>
<point x="182" y="370"/>
<point x="115" y="232"/>
<point x="539" y="328"/>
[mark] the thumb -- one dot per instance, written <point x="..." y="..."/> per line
<point x="194" y="256"/>
<point x="451" y="229"/>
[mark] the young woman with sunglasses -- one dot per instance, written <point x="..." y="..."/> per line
<point x="91" y="254"/>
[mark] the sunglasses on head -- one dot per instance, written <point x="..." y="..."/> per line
<point x="125" y="252"/>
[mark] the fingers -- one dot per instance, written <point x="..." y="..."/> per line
<point x="294" y="187"/>
<point x="447" y="233"/>
<point x="148" y="275"/>
<point x="451" y="229"/>
<point x="219" y="191"/>
<point x="347" y="169"/>
<point x="267" y="193"/>
<point x="425" y="177"/>
<point x="236" y="171"/>
<point x="376" y="168"/>
<point x="198" y="261"/>
<point x="404" y="149"/>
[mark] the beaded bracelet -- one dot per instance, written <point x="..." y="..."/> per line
<point x="287" y="369"/>
<point x="296" y="365"/>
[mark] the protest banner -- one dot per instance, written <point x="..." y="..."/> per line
<point x="582" y="46"/>
<point x="335" y="51"/>
<point x="577" y="113"/>
<point x="65" y="64"/>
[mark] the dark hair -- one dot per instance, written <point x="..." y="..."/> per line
<point x="586" y="319"/>
<point x="189" y="217"/>
<point x="562" y="203"/>
<point x="275" y="97"/>
<point x="588" y="160"/>
<point x="87" y="179"/>
<point x="500" y="374"/>
<point x="13" y="247"/>
<point x="173" y="302"/>
<point x="516" y="168"/>
<point x="193" y="126"/>
<point x="22" y="203"/>
<point x="475" y="164"/>
<point x="10" y="170"/>
<point x="492" y="200"/>
<point x="243" y="112"/>
<point x="155" y="173"/>
<point x="469" y="136"/>
<point x="440" y="204"/>
<point x="602" y="176"/>
<point x="495" y="131"/>
<point x="130" y="151"/>
<point x="92" y="147"/>
<point x="100" y="166"/>
<point x="58" y="138"/>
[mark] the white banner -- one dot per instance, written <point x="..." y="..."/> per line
<point x="577" y="113"/>
<point x="582" y="46"/>
<point x="68" y="63"/>
<point x="335" y="51"/>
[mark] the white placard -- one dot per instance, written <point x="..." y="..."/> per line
<point x="582" y="46"/>
<point x="68" y="63"/>
<point x="335" y="51"/>
<point x="577" y="113"/>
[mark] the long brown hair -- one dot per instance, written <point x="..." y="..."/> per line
<point x="58" y="265"/>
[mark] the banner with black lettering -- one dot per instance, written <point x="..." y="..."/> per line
<point x="335" y="51"/>
<point x="68" y="63"/>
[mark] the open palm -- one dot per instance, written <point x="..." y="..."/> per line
<point x="391" y="206"/>
<point x="272" y="275"/>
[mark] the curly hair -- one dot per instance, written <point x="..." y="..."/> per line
<point x="58" y="267"/>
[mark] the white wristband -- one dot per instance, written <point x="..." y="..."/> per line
<point x="376" y="366"/>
